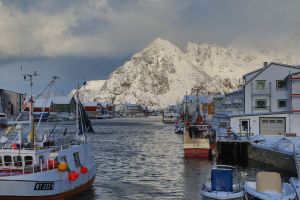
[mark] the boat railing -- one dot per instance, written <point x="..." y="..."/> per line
<point x="27" y="167"/>
<point x="233" y="137"/>
<point x="53" y="148"/>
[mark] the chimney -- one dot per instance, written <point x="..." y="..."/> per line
<point x="265" y="64"/>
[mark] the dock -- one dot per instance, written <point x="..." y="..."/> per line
<point x="233" y="150"/>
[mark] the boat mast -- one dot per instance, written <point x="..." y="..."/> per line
<point x="28" y="77"/>
<point x="77" y="109"/>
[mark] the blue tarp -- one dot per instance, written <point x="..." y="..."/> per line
<point x="221" y="180"/>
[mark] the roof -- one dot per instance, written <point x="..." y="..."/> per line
<point x="264" y="68"/>
<point x="105" y="104"/>
<point x="193" y="98"/>
<point x="90" y="103"/>
<point x="241" y="90"/>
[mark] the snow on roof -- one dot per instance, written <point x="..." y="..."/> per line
<point x="105" y="104"/>
<point x="201" y="99"/>
<point x="90" y="103"/>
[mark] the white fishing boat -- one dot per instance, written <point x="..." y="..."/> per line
<point x="169" y="115"/>
<point x="46" y="166"/>
<point x="268" y="186"/>
<point x="225" y="183"/>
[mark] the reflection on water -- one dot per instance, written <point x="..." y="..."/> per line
<point x="142" y="158"/>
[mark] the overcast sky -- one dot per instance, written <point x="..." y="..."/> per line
<point x="87" y="39"/>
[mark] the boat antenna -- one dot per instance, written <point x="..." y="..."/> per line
<point x="29" y="77"/>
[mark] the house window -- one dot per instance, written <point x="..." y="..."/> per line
<point x="280" y="85"/>
<point x="282" y="103"/>
<point x="261" y="103"/>
<point x="260" y="85"/>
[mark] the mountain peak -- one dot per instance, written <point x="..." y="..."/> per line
<point x="162" y="44"/>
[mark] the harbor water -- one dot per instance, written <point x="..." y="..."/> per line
<point x="142" y="158"/>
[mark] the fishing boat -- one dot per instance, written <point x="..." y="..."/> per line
<point x="225" y="183"/>
<point x="268" y="186"/>
<point x="169" y="115"/>
<point x="198" y="136"/>
<point x="38" y="164"/>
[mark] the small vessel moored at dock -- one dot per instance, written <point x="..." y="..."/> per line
<point x="197" y="141"/>
<point x="225" y="183"/>
<point x="268" y="186"/>
<point x="45" y="165"/>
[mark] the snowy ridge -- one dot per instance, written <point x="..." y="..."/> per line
<point x="161" y="74"/>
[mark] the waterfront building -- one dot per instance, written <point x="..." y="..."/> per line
<point x="12" y="102"/>
<point x="271" y="101"/>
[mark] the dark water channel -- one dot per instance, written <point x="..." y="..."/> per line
<point x="142" y="158"/>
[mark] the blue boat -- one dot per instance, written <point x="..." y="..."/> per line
<point x="225" y="183"/>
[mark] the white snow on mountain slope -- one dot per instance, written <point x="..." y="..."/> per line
<point x="89" y="89"/>
<point x="161" y="74"/>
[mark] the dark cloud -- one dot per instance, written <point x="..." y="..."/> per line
<point x="89" y="39"/>
<point x="71" y="70"/>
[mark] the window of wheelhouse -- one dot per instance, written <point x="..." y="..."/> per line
<point x="7" y="161"/>
<point x="18" y="161"/>
<point x="28" y="160"/>
<point x="41" y="159"/>
<point x="76" y="159"/>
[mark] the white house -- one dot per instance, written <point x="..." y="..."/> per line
<point x="271" y="101"/>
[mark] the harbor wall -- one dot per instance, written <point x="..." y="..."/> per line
<point x="274" y="158"/>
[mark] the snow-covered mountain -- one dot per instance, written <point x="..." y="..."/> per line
<point x="88" y="91"/>
<point x="162" y="73"/>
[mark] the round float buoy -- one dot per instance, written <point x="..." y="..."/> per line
<point x="73" y="175"/>
<point x="62" y="166"/>
<point x="83" y="170"/>
<point x="52" y="164"/>
<point x="15" y="146"/>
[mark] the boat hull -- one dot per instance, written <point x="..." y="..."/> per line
<point x="62" y="196"/>
<point x="222" y="195"/>
<point x="196" y="153"/>
<point x="251" y="193"/>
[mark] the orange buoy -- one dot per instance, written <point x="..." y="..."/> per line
<point x="73" y="175"/>
<point x="62" y="166"/>
<point x="83" y="170"/>
<point x="52" y="164"/>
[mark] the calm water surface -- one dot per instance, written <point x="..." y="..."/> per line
<point x="142" y="158"/>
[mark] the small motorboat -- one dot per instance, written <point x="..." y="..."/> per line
<point x="268" y="186"/>
<point x="225" y="183"/>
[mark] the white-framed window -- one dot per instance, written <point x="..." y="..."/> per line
<point x="282" y="103"/>
<point x="280" y="85"/>
<point x="261" y="103"/>
<point x="260" y="84"/>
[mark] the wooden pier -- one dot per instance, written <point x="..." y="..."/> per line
<point x="233" y="151"/>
